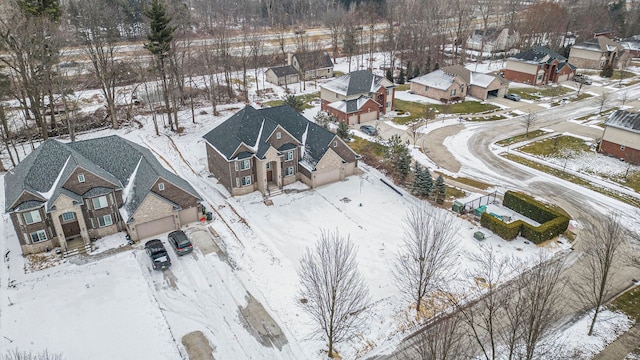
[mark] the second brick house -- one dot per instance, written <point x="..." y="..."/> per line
<point x="539" y="66"/>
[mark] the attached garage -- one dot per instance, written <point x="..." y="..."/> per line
<point x="156" y="227"/>
<point x="187" y="216"/>
<point x="368" y="116"/>
<point x="326" y="177"/>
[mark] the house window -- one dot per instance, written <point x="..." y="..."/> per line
<point x="288" y="156"/>
<point x="267" y="166"/>
<point x="278" y="135"/>
<point x="99" y="202"/>
<point x="426" y="88"/>
<point x="336" y="96"/>
<point x="161" y="186"/>
<point x="453" y="92"/>
<point x="68" y="216"/>
<point x="289" y="171"/>
<point x="335" y="144"/>
<point x="540" y="77"/>
<point x="237" y="182"/>
<point x="245" y="164"/>
<point x="104" y="220"/>
<point x="32" y="217"/>
<point x="246" y="180"/>
<point x="622" y="147"/>
<point x="328" y="71"/>
<point x="81" y="178"/>
<point x="38" y="236"/>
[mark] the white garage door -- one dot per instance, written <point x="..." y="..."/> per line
<point x="369" y="116"/>
<point x="327" y="177"/>
<point x="155" y="227"/>
<point x="187" y="216"/>
<point x="353" y="119"/>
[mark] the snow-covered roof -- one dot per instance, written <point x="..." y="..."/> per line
<point x="350" y="106"/>
<point x="625" y="120"/>
<point x="355" y="83"/>
<point x="437" y="79"/>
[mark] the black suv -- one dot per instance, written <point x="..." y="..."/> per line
<point x="158" y="254"/>
<point x="180" y="242"/>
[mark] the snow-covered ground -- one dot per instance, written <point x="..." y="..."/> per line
<point x="116" y="307"/>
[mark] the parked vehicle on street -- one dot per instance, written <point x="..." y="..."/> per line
<point x="584" y="79"/>
<point x="514" y="97"/>
<point x="369" y="130"/>
<point x="180" y="242"/>
<point x="158" y="254"/>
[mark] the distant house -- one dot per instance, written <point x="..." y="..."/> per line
<point x="282" y="75"/>
<point x="595" y="53"/>
<point x="631" y="45"/>
<point x="68" y="194"/>
<point x="494" y="40"/>
<point x="358" y="97"/>
<point x="453" y="83"/>
<point x="312" y="64"/>
<point x="621" y="136"/>
<point x="539" y="66"/>
<point x="266" y="149"/>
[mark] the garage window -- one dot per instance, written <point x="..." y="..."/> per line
<point x="99" y="202"/>
<point x="105" y="220"/>
<point x="68" y="216"/>
<point x="38" y="236"/>
<point x="32" y="217"/>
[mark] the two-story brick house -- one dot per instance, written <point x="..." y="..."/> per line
<point x="80" y="191"/>
<point x="358" y="97"/>
<point x="539" y="66"/>
<point x="266" y="149"/>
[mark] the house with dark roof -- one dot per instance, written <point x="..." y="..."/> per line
<point x="358" y="97"/>
<point x="539" y="66"/>
<point x="282" y="75"/>
<point x="595" y="53"/>
<point x="266" y="149"/>
<point x="312" y="64"/>
<point x="453" y="83"/>
<point x="621" y="136"/>
<point x="493" y="39"/>
<point x="68" y="194"/>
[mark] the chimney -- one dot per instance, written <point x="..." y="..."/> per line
<point x="289" y="58"/>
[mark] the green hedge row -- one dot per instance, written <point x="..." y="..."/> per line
<point x="552" y="221"/>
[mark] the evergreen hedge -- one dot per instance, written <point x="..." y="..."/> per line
<point x="507" y="231"/>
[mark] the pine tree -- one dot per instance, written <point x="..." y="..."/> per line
<point x="399" y="159"/>
<point x="436" y="67"/>
<point x="417" y="180"/>
<point x="416" y="72"/>
<point x="440" y="190"/>
<point x="401" y="77"/>
<point x="389" y="74"/>
<point x="403" y="167"/>
<point x="409" y="70"/>
<point x="295" y="102"/>
<point x="428" y="183"/>
<point x="343" y="131"/>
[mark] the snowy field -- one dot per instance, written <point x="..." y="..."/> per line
<point x="116" y="307"/>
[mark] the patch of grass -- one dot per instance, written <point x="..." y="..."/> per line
<point x="554" y="144"/>
<point x="537" y="93"/>
<point x="455" y="192"/>
<point x="632" y="180"/>
<point x="306" y="98"/>
<point x="488" y="118"/>
<point x="463" y="180"/>
<point x="628" y="303"/>
<point x="272" y="103"/>
<point x="403" y="87"/>
<point x="521" y="137"/>
<point x="582" y="96"/>
<point x="632" y="82"/>
<point x="337" y="73"/>
<point x="416" y="110"/>
<point x="574" y="179"/>
<point x="371" y="152"/>
<point x="622" y="74"/>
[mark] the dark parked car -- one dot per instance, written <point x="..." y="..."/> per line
<point x="368" y="129"/>
<point x="158" y="254"/>
<point x="514" y="97"/>
<point x="180" y="242"/>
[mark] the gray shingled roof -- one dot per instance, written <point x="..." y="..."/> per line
<point x="285" y="70"/>
<point x="624" y="120"/>
<point x="312" y="60"/>
<point x="253" y="127"/>
<point x="112" y="158"/>
<point x="354" y="83"/>
<point x="539" y="55"/>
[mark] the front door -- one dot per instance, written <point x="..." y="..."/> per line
<point x="269" y="172"/>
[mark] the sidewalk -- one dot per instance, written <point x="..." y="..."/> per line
<point x="623" y="346"/>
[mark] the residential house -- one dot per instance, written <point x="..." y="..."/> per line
<point x="312" y="64"/>
<point x="358" y="97"/>
<point x="266" y="149"/>
<point x="595" y="53"/>
<point x="282" y="75"/>
<point x="67" y="194"/>
<point x="453" y="83"/>
<point x="494" y="41"/>
<point x="539" y="66"/>
<point x="621" y="136"/>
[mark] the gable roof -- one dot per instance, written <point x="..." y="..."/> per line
<point x="311" y="60"/>
<point x="112" y="158"/>
<point x="355" y="83"/>
<point x="285" y="70"/>
<point x="539" y="55"/>
<point x="253" y="127"/>
<point x="351" y="106"/>
<point x="437" y="79"/>
<point x="599" y="44"/>
<point x="625" y="120"/>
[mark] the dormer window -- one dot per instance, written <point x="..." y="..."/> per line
<point x="278" y="135"/>
<point x="161" y="186"/>
<point x="81" y="178"/>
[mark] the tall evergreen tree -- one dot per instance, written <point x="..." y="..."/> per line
<point x="401" y="77"/>
<point x="409" y="70"/>
<point x="398" y="158"/>
<point x="343" y="131"/>
<point x="160" y="37"/>
<point x="389" y="74"/>
<point x="423" y="182"/>
<point x="440" y="190"/>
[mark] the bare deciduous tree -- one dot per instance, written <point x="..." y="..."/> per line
<point x="443" y="340"/>
<point x="333" y="289"/>
<point x="426" y="255"/>
<point x="528" y="121"/>
<point x="605" y="244"/>
<point x="602" y="100"/>
<point x="17" y="354"/>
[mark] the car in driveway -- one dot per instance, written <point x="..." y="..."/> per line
<point x="180" y="242"/>
<point x="159" y="257"/>
<point x="369" y="130"/>
<point x="584" y="79"/>
<point x="514" y="97"/>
